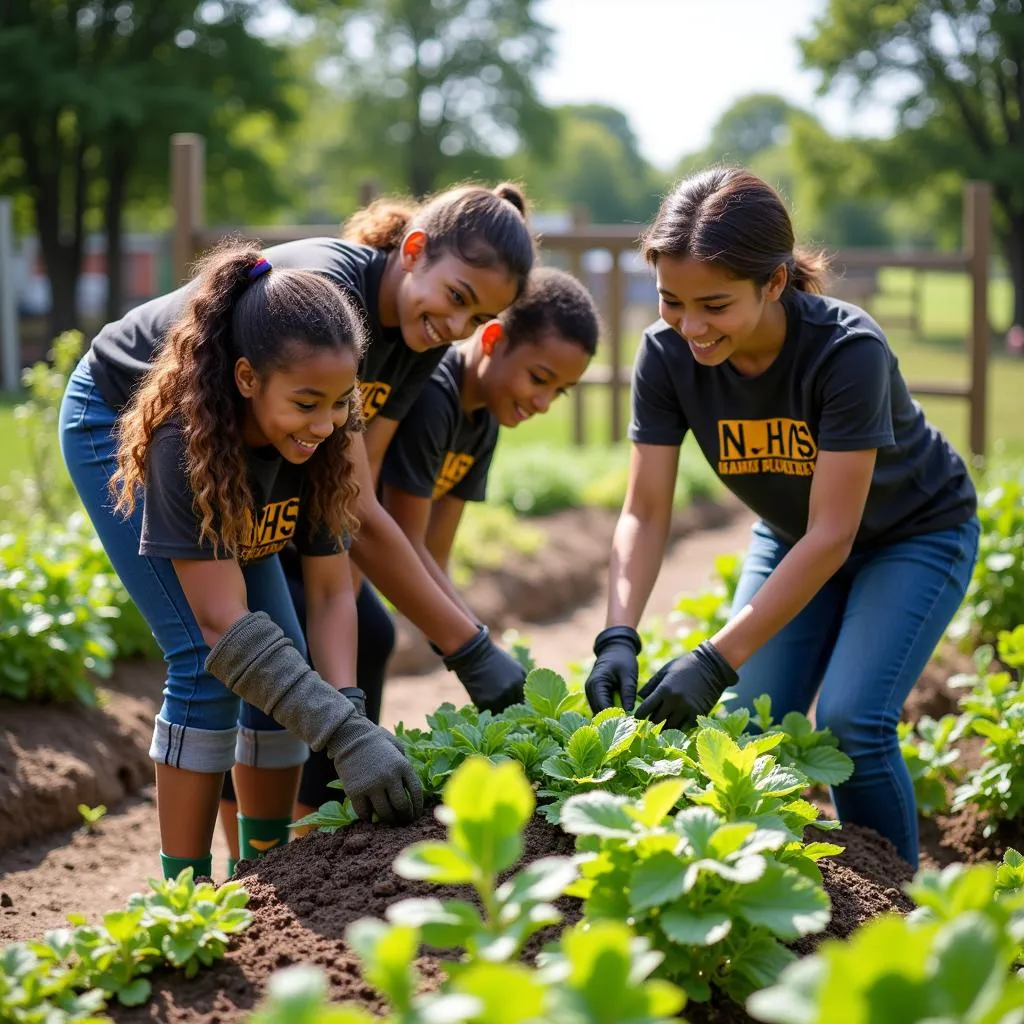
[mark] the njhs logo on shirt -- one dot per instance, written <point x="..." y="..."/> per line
<point x="456" y="466"/>
<point x="270" y="531"/>
<point x="776" y="445"/>
<point x="374" y="395"/>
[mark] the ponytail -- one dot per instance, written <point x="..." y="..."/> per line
<point x="808" y="270"/>
<point x="482" y="227"/>
<point x="238" y="307"/>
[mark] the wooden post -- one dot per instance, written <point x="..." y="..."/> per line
<point x="580" y="218"/>
<point x="977" y="239"/>
<point x="615" y="304"/>
<point x="188" y="168"/>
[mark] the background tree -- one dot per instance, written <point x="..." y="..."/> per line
<point x="962" y="62"/>
<point x="439" y="91"/>
<point x="91" y="91"/>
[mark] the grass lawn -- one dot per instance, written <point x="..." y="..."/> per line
<point x="13" y="449"/>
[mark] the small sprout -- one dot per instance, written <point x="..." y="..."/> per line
<point x="91" y="815"/>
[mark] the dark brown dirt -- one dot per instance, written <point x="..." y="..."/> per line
<point x="54" y="757"/>
<point x="304" y="895"/>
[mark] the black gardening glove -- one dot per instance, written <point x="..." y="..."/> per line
<point x="492" y="677"/>
<point x="616" y="669"/>
<point x="686" y="687"/>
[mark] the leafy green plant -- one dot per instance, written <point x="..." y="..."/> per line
<point x="949" y="961"/>
<point x="70" y="973"/>
<point x="995" y="597"/>
<point x="813" y="752"/>
<point x="708" y="893"/>
<point x="594" y="975"/>
<point x="993" y="708"/>
<point x="930" y="756"/>
<point x="91" y="816"/>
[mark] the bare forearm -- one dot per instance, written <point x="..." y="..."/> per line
<point x="331" y="635"/>
<point x="810" y="563"/>
<point x="440" y="576"/>
<point x="637" y="550"/>
<point x="390" y="562"/>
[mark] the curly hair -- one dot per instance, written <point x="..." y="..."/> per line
<point x="553" y="300"/>
<point x="730" y="217"/>
<point x="271" y="321"/>
<point x="482" y="227"/>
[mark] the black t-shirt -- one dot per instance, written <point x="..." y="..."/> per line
<point x="438" y="449"/>
<point x="170" y="523"/>
<point x="391" y="374"/>
<point x="835" y="386"/>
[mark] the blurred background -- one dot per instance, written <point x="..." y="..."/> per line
<point x="869" y="117"/>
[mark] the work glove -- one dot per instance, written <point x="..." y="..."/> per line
<point x="255" y="660"/>
<point x="686" y="687"/>
<point x="616" y="668"/>
<point x="358" y="698"/>
<point x="493" y="679"/>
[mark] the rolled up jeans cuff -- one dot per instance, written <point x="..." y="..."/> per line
<point x="269" y="748"/>
<point x="195" y="750"/>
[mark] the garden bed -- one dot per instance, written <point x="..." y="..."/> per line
<point x="303" y="896"/>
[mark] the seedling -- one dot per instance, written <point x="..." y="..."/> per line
<point x="91" y="816"/>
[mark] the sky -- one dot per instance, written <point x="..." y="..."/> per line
<point x="675" y="66"/>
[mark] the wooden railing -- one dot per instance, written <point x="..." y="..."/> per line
<point x="191" y="236"/>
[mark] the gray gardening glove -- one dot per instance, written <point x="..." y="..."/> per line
<point x="358" y="698"/>
<point x="255" y="660"/>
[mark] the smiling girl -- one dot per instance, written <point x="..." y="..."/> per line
<point x="513" y="368"/>
<point x="431" y="274"/>
<point x="867" y="533"/>
<point x="237" y="440"/>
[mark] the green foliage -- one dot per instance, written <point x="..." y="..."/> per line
<point x="713" y="895"/>
<point x="961" y="78"/>
<point x="993" y="708"/>
<point x="592" y="976"/>
<point x="950" y="960"/>
<point x="487" y="536"/>
<point x="995" y="597"/>
<point x="69" y="974"/>
<point x="930" y="756"/>
<point x="536" y="479"/>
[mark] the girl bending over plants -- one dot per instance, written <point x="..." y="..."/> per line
<point x="237" y="441"/>
<point x="867" y="533"/>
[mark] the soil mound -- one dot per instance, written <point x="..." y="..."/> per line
<point x="305" y="894"/>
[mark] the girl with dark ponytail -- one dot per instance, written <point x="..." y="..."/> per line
<point x="416" y="278"/>
<point x="237" y="441"/>
<point x="867" y="533"/>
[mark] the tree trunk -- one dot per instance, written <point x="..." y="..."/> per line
<point x="118" y="168"/>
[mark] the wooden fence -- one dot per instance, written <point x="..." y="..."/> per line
<point x="191" y="236"/>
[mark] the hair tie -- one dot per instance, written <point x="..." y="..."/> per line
<point x="259" y="268"/>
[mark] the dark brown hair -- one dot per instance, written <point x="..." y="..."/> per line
<point x="271" y="321"/>
<point x="482" y="227"/>
<point x="552" y="301"/>
<point x="730" y="217"/>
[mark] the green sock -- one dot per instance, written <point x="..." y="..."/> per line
<point x="173" y="866"/>
<point x="232" y="864"/>
<point x="256" y="836"/>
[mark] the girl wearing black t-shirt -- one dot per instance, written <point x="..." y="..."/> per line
<point x="867" y="533"/>
<point x="512" y="368"/>
<point x="236" y="441"/>
<point x="443" y="268"/>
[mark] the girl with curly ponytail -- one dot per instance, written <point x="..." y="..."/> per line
<point x="418" y="276"/>
<point x="236" y="442"/>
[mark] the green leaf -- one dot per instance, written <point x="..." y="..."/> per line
<point x="135" y="993"/>
<point x="435" y="862"/>
<point x="825" y="766"/>
<point x="617" y="734"/>
<point x="586" y="751"/>
<point x="968" y="950"/>
<point x="729" y="838"/>
<point x="387" y="952"/>
<point x="544" y="691"/>
<point x="695" y="929"/>
<point x="508" y="993"/>
<point x="447" y="924"/>
<point x="122" y="924"/>
<point x="597" y="814"/>
<point x="543" y="879"/>
<point x="656" y="880"/>
<point x="658" y="800"/>
<point x="783" y="901"/>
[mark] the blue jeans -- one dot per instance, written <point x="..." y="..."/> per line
<point x="859" y="646"/>
<point x="202" y="726"/>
